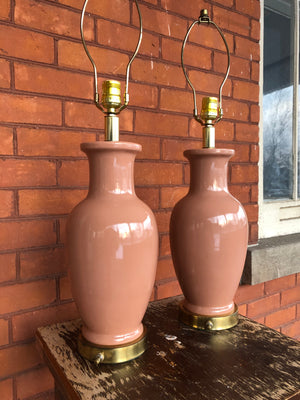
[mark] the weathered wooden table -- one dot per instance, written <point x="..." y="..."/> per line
<point x="249" y="362"/>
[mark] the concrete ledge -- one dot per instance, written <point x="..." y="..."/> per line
<point x="271" y="259"/>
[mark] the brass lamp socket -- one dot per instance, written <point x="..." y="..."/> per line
<point x="209" y="109"/>
<point x="209" y="113"/>
<point x="111" y="94"/>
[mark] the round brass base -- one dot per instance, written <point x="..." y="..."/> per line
<point x="111" y="354"/>
<point x="207" y="322"/>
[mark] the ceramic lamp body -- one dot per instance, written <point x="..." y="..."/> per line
<point x="112" y="247"/>
<point x="209" y="235"/>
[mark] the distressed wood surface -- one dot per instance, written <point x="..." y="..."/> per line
<point x="247" y="362"/>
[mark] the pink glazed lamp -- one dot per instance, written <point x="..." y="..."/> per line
<point x="112" y="240"/>
<point x="209" y="227"/>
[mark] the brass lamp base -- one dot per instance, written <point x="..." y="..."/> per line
<point x="111" y="354"/>
<point x="206" y="322"/>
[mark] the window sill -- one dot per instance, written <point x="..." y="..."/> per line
<point x="272" y="258"/>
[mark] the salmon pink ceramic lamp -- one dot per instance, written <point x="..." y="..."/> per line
<point x="112" y="240"/>
<point x="208" y="228"/>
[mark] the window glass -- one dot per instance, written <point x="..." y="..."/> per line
<point x="278" y="100"/>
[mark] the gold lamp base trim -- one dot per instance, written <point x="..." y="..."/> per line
<point x="111" y="354"/>
<point x="207" y="322"/>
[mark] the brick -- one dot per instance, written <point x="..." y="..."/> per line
<point x="72" y="55"/>
<point x="5" y="9"/>
<point x="165" y="270"/>
<point x="29" y="109"/>
<point x="210" y="38"/>
<point x="163" y="220"/>
<point x="298" y="278"/>
<point x="6" y="389"/>
<point x="227" y="3"/>
<point x="247" y="48"/>
<point x="158" y="73"/>
<point x="173" y="149"/>
<point x="4" y="335"/>
<point x="195" y="56"/>
<point x="189" y="8"/>
<point x="252" y="212"/>
<point x="281" y="317"/>
<point x="254" y="193"/>
<point x="242" y="152"/>
<point x="253" y="233"/>
<point x="290" y="296"/>
<point x="240" y="192"/>
<point x="62" y="230"/>
<point x="298" y="311"/>
<point x="150" y="196"/>
<point x="264" y="305"/>
<point x="42" y="262"/>
<point x="7" y="203"/>
<point x="244" y="173"/>
<point x="150" y="146"/>
<point x="4" y="74"/>
<point x="26" y="295"/>
<point x="161" y="124"/>
<point x="224" y="131"/>
<point x="60" y="21"/>
<point x="161" y="22"/>
<point x="49" y="202"/>
<point x="255" y="71"/>
<point x="6" y="141"/>
<point x="210" y="83"/>
<point x="249" y="7"/>
<point x="143" y="95"/>
<point x="246" y="91"/>
<point x="88" y="116"/>
<point x="235" y="110"/>
<point x="126" y="37"/>
<point x="46" y="142"/>
<point x="243" y="309"/>
<point x="246" y="293"/>
<point x="118" y="10"/>
<point x="247" y="133"/>
<point x="34" y="382"/>
<point x="168" y="289"/>
<point x="72" y="173"/>
<point x="292" y="330"/>
<point x="52" y="81"/>
<point x="22" y="234"/>
<point x="24" y="326"/>
<point x="230" y="21"/>
<point x="20" y="43"/>
<point x="171" y="195"/>
<point x="65" y="288"/>
<point x="27" y="173"/>
<point x="177" y="100"/>
<point x="239" y="67"/>
<point x="255" y="29"/>
<point x="254" y="153"/>
<point x="10" y="359"/>
<point x="164" y="246"/>
<point x="260" y="320"/>
<point x="148" y="173"/>
<point x="7" y="267"/>
<point x="254" y="113"/>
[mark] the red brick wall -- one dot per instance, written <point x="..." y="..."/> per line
<point x="46" y="111"/>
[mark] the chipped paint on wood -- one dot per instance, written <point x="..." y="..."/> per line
<point x="247" y="362"/>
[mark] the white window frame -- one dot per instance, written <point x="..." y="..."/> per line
<point x="280" y="217"/>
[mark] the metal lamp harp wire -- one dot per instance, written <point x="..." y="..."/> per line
<point x="205" y="19"/>
<point x="126" y="95"/>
